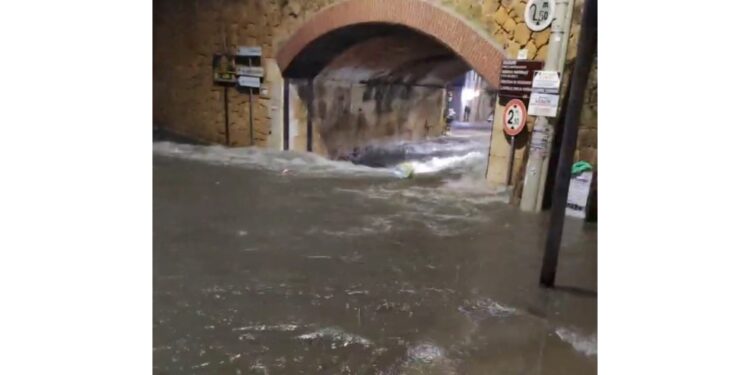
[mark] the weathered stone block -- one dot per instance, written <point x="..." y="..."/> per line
<point x="531" y="47"/>
<point x="513" y="49"/>
<point x="541" y="37"/>
<point x="501" y="16"/>
<point x="517" y="11"/>
<point x="521" y="33"/>
<point x="490" y="6"/>
<point x="509" y="25"/>
<point x="541" y="53"/>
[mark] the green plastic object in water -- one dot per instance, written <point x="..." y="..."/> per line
<point x="404" y="170"/>
<point x="580" y="167"/>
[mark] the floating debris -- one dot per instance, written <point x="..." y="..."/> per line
<point x="267" y="327"/>
<point x="204" y="364"/>
<point x="318" y="257"/>
<point x="337" y="336"/>
<point x="486" y="308"/>
<point x="246" y="337"/>
<point x="425" y="352"/>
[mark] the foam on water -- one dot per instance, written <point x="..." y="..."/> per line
<point x="435" y="204"/>
<point x="439" y="208"/>
<point x="432" y="156"/>
<point x="254" y="158"/>
<point x="585" y="344"/>
<point x="427" y="358"/>
<point x="373" y="225"/>
<point x="284" y="327"/>
<point x="336" y="336"/>
<point x="437" y="164"/>
<point x="425" y="352"/>
<point x="485" y="308"/>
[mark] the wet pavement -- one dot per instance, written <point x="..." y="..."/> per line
<point x="336" y="268"/>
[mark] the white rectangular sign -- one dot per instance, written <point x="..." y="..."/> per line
<point x="578" y="195"/>
<point x="249" y="81"/>
<point x="249" y="51"/>
<point x="543" y="104"/>
<point x="254" y="71"/>
<point x="546" y="79"/>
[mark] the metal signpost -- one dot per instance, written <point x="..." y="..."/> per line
<point x="249" y="74"/>
<point x="584" y="61"/>
<point x="514" y="120"/>
<point x="555" y="16"/>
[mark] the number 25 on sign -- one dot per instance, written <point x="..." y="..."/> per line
<point x="514" y="117"/>
<point x="514" y="120"/>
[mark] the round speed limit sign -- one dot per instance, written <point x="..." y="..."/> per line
<point x="514" y="117"/>
<point x="539" y="14"/>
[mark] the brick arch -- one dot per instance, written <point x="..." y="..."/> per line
<point x="472" y="44"/>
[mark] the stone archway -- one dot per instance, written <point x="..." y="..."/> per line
<point x="467" y="41"/>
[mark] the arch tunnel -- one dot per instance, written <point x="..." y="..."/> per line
<point x="379" y="72"/>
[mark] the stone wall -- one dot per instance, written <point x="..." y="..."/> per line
<point x="507" y="26"/>
<point x="185" y="99"/>
<point x="350" y="115"/>
<point x="187" y="34"/>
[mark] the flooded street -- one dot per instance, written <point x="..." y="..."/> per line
<point x="338" y="268"/>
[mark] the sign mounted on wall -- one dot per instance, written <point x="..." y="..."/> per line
<point x="515" y="79"/>
<point x="253" y="71"/>
<point x="246" y="81"/>
<point x="544" y="96"/>
<point x="547" y="81"/>
<point x="543" y="104"/>
<point x="539" y="14"/>
<point x="249" y="51"/>
<point x="514" y="117"/>
<point x="224" y="69"/>
<point x="249" y="66"/>
<point x="514" y="120"/>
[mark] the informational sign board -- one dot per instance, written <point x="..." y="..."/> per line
<point x="516" y="78"/>
<point x="546" y="82"/>
<point x="514" y="117"/>
<point x="245" y="51"/>
<point x="253" y="71"/>
<point x="223" y="69"/>
<point x="543" y="104"/>
<point x="539" y="14"/>
<point x="578" y="195"/>
<point x="246" y="81"/>
<point x="545" y="96"/>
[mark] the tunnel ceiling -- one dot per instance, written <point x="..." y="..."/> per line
<point x="378" y="53"/>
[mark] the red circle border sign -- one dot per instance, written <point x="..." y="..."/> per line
<point x="511" y="104"/>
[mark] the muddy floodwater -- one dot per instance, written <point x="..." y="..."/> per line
<point x="339" y="268"/>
